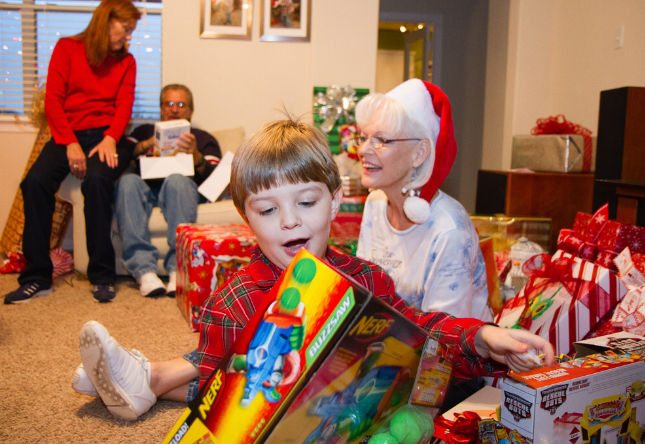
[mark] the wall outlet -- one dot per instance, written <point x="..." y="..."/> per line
<point x="620" y="37"/>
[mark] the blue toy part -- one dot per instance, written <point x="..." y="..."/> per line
<point x="278" y="334"/>
<point x="265" y="362"/>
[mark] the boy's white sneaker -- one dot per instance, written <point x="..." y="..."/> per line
<point x="172" y="284"/>
<point x="150" y="285"/>
<point x="82" y="384"/>
<point x="120" y="377"/>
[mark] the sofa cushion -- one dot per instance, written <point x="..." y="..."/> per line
<point x="229" y="139"/>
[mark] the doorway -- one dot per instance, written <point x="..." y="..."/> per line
<point x="408" y="47"/>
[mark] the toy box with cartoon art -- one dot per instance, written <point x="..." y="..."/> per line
<point x="594" y="398"/>
<point x="319" y="360"/>
<point x="207" y="256"/>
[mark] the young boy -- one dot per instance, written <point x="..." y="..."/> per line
<point x="287" y="188"/>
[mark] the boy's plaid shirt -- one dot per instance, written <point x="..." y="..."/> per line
<point x="226" y="312"/>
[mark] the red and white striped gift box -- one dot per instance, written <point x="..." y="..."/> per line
<point x="562" y="318"/>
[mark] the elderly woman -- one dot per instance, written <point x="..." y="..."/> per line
<point x="88" y="103"/>
<point x="422" y="237"/>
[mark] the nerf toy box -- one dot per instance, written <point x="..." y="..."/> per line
<point x="320" y="361"/>
<point x="597" y="398"/>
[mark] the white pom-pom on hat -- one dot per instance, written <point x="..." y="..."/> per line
<point x="416" y="209"/>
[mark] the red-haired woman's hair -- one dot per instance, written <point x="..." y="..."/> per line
<point x="97" y="34"/>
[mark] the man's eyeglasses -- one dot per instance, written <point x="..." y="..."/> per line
<point x="171" y="103"/>
<point x="377" y="141"/>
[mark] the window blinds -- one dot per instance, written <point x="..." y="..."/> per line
<point x="29" y="30"/>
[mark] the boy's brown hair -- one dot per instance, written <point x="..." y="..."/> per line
<point x="284" y="151"/>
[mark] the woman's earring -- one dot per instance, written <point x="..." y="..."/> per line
<point x="414" y="177"/>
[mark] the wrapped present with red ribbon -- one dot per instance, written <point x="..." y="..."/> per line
<point x="615" y="237"/>
<point x="563" y="299"/>
<point x="597" y="239"/>
<point x="463" y="430"/>
<point x="207" y="256"/>
<point x="15" y="263"/>
<point x="555" y="145"/>
<point x="630" y="313"/>
<point x="62" y="262"/>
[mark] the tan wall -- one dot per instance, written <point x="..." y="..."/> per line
<point x="243" y="82"/>
<point x="548" y="57"/>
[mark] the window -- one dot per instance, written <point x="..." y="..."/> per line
<point x="29" y="30"/>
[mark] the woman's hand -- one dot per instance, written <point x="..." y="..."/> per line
<point x="107" y="152"/>
<point x="76" y="158"/>
<point x="507" y="345"/>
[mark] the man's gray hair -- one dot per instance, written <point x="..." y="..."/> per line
<point x="184" y="88"/>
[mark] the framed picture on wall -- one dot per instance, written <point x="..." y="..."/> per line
<point x="225" y="19"/>
<point x="285" y="20"/>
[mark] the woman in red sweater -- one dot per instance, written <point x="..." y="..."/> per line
<point x="88" y="103"/>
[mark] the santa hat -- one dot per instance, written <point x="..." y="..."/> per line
<point x="430" y="106"/>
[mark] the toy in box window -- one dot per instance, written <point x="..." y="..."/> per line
<point x="349" y="412"/>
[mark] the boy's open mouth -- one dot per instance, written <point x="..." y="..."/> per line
<point x="295" y="244"/>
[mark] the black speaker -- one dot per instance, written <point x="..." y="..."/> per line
<point x="620" y="150"/>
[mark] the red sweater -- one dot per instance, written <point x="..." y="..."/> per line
<point x="80" y="97"/>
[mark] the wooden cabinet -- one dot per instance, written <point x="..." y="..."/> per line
<point x="553" y="195"/>
<point x="630" y="200"/>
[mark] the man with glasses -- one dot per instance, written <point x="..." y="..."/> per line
<point x="176" y="195"/>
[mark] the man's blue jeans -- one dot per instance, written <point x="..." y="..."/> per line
<point x="178" y="199"/>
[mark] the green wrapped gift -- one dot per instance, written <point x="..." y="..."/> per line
<point x="334" y="106"/>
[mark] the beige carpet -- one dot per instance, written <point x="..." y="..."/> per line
<point x="39" y="352"/>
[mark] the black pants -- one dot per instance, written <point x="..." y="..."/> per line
<point x="38" y="192"/>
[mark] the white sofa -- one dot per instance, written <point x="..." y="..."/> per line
<point x="217" y="213"/>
